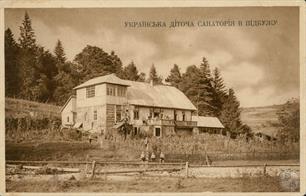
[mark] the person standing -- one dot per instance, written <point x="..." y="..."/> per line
<point x="153" y="157"/>
<point x="162" y="157"/>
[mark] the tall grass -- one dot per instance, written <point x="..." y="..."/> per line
<point x="217" y="146"/>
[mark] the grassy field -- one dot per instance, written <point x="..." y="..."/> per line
<point x="18" y="108"/>
<point x="263" y="119"/>
<point x="153" y="184"/>
<point x="64" y="151"/>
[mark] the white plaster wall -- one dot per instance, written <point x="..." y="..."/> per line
<point x="68" y="112"/>
<point x="98" y="99"/>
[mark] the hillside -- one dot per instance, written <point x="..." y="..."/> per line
<point x="261" y="119"/>
<point x="18" y="108"/>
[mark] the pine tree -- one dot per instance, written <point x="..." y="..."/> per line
<point x="219" y="92"/>
<point x="27" y="37"/>
<point x="28" y="60"/>
<point x="130" y="72"/>
<point x="12" y="80"/>
<point x="59" y="54"/>
<point x="175" y="77"/>
<point x="230" y="115"/>
<point x="153" y="76"/>
<point x="189" y="84"/>
<point x="205" y="90"/>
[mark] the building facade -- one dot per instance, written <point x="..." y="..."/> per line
<point x="103" y="103"/>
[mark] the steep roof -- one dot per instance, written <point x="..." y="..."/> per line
<point x="141" y="93"/>
<point x="144" y="94"/>
<point x="72" y="96"/>
<point x="111" y="79"/>
<point x="203" y="121"/>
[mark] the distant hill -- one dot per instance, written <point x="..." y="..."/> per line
<point x="19" y="108"/>
<point x="262" y="119"/>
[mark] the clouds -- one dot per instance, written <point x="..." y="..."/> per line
<point x="261" y="64"/>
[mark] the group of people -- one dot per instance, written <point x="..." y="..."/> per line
<point x="146" y="157"/>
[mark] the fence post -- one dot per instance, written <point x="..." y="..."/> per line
<point x="93" y="169"/>
<point x="186" y="169"/>
<point x="86" y="167"/>
<point x="265" y="169"/>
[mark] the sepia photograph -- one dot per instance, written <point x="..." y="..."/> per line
<point x="152" y="99"/>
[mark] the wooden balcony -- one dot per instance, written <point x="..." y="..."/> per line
<point x="186" y="123"/>
<point x="163" y="122"/>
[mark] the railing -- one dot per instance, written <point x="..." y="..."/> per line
<point x="186" y="123"/>
<point x="161" y="122"/>
<point x="172" y="123"/>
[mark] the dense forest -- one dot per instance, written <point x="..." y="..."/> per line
<point x="34" y="73"/>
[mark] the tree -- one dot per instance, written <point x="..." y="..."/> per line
<point x="289" y="121"/>
<point x="130" y="72"/>
<point x="205" y="90"/>
<point x="219" y="92"/>
<point x="142" y="77"/>
<point x="65" y="82"/>
<point x="28" y="60"/>
<point x="175" y="77"/>
<point x="47" y="69"/>
<point x="197" y="86"/>
<point x="59" y="54"/>
<point x="154" y="77"/>
<point x="67" y="76"/>
<point x="27" y="37"/>
<point x="189" y="84"/>
<point x="11" y="65"/>
<point x="230" y="115"/>
<point x="93" y="62"/>
<point x="117" y="63"/>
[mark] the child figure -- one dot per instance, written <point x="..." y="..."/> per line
<point x="147" y="156"/>
<point x="142" y="156"/>
<point x="153" y="157"/>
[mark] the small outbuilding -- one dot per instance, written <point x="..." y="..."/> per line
<point x="208" y="124"/>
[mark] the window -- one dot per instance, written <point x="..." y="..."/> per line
<point x="111" y="90"/>
<point x="95" y="116"/>
<point x="135" y="130"/>
<point x="67" y="118"/>
<point x="157" y="132"/>
<point x="118" y="113"/>
<point x="90" y="91"/>
<point x="136" y="113"/>
<point x="121" y="91"/>
<point x="183" y="113"/>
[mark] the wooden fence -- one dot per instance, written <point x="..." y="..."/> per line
<point x="182" y="166"/>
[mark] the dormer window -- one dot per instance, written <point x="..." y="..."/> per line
<point x="90" y="91"/>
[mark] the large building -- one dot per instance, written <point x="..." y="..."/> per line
<point x="101" y="104"/>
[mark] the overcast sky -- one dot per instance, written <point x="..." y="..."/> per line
<point x="260" y="63"/>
